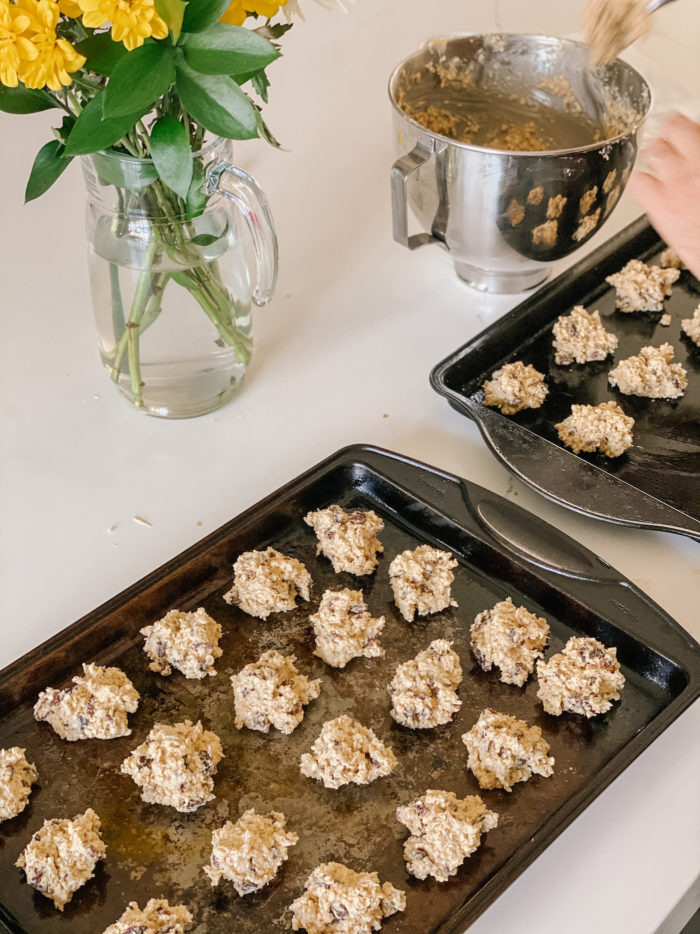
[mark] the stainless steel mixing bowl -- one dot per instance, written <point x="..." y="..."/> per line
<point x="503" y="216"/>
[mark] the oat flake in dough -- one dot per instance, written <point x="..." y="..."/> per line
<point x="344" y="628"/>
<point x="584" y="678"/>
<point x="250" y="852"/>
<point x="639" y="287"/>
<point x="511" y="638"/>
<point x="421" y="581"/>
<point x="650" y="374"/>
<point x="272" y="692"/>
<point x="424" y="689"/>
<point x="580" y="337"/>
<point x="95" y="708"/>
<point x="344" y="752"/>
<point x="603" y="428"/>
<point x="338" y="900"/>
<point x="158" y="917"/>
<point x="267" y="582"/>
<point x="16" y="779"/>
<point x="503" y="750"/>
<point x="348" y="539"/>
<point x="515" y="387"/>
<point x="188" y="642"/>
<point x="62" y="855"/>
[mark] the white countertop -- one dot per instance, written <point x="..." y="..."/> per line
<point x="342" y="355"/>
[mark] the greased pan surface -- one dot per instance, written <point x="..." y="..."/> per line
<point x="153" y="851"/>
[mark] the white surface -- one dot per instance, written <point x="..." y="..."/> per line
<point x="342" y="355"/>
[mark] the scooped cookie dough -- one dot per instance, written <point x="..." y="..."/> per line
<point x="650" y="374"/>
<point x="424" y="690"/>
<point x="158" y="917"/>
<point x="344" y="752"/>
<point x="348" y="539"/>
<point x="511" y="638"/>
<point x="639" y="287"/>
<point x="444" y="830"/>
<point x="671" y="260"/>
<point x="344" y="628"/>
<point x="603" y="428"/>
<point x="16" y="779"/>
<point x="584" y="678"/>
<point x="272" y="693"/>
<point x="96" y="708"/>
<point x="267" y="582"/>
<point x="691" y="326"/>
<point x="62" y="856"/>
<point x="580" y="337"/>
<point x="175" y="765"/>
<point x="503" y="750"/>
<point x="515" y="387"/>
<point x="421" y="581"/>
<point x="338" y="900"/>
<point x="186" y="641"/>
<point x="612" y="25"/>
<point x="250" y="852"/>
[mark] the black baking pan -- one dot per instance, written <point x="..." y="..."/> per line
<point x="502" y="550"/>
<point x="656" y="484"/>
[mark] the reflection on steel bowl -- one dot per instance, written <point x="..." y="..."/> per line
<point x="512" y="153"/>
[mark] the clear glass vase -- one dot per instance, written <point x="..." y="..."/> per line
<point x="174" y="280"/>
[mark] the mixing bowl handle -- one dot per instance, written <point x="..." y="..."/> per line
<point x="401" y="171"/>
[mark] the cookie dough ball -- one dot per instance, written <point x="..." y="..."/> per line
<point x="511" y="638"/>
<point x="639" y="287"/>
<point x="584" y="678"/>
<point x="271" y="692"/>
<point x="515" y="387"/>
<point x="344" y="628"/>
<point x="344" y="752"/>
<point x="338" y="900"/>
<point x="650" y="374"/>
<point x="444" y="830"/>
<point x="96" y="708"/>
<point x="580" y="337"/>
<point x="421" y="581"/>
<point x="250" y="852"/>
<point x="503" y="750"/>
<point x="424" y="690"/>
<point x="348" y="539"/>
<point x="158" y="917"/>
<point x="267" y="582"/>
<point x="16" y="779"/>
<point x="691" y="326"/>
<point x="175" y="765"/>
<point x="186" y="641"/>
<point x="62" y="856"/>
<point x="603" y="428"/>
<point x="671" y="260"/>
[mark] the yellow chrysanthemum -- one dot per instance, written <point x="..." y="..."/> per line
<point x="56" y="58"/>
<point x="70" y="8"/>
<point x="238" y="12"/>
<point x="14" y="47"/>
<point x="132" y="20"/>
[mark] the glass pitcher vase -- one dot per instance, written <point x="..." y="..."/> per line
<point x="174" y="280"/>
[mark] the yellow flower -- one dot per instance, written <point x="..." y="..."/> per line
<point x="70" y="8"/>
<point x="56" y="58"/>
<point x="14" y="47"/>
<point x="238" y="12"/>
<point x="132" y="20"/>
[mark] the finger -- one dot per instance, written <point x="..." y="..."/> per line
<point x="682" y="133"/>
<point x="662" y="158"/>
<point x="645" y="189"/>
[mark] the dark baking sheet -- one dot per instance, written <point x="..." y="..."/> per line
<point x="656" y="484"/>
<point x="502" y="550"/>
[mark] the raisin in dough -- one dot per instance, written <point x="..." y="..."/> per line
<point x="348" y="539"/>
<point x="584" y="678"/>
<point x="271" y="692"/>
<point x="444" y="830"/>
<point x="580" y="337"/>
<point x="62" y="856"/>
<point x="267" y="582"/>
<point x="175" y="765"/>
<point x="421" y="581"/>
<point x="515" y="387"/>
<point x="186" y="641"/>
<point x="16" y="779"/>
<point x="344" y="628"/>
<point x="158" y="917"/>
<point x="591" y="428"/>
<point x="338" y="900"/>
<point x="650" y="374"/>
<point x="639" y="287"/>
<point x="250" y="852"/>
<point x="95" y="708"/>
<point x="344" y="752"/>
<point x="503" y="750"/>
<point x="424" y="689"/>
<point x="511" y="638"/>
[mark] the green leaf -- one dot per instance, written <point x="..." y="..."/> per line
<point x="21" y="100"/>
<point x="217" y="103"/>
<point x="102" y="52"/>
<point x="196" y="199"/>
<point x="172" y="156"/>
<point x="223" y="49"/>
<point x="123" y="171"/>
<point x="261" y="83"/>
<point x="202" y="13"/>
<point x="204" y="239"/>
<point x="172" y="13"/>
<point x="50" y="163"/>
<point x="93" y="131"/>
<point x="139" y="79"/>
<point x="273" y="30"/>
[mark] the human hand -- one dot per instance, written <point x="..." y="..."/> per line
<point x="669" y="191"/>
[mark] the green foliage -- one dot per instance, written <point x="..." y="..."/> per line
<point x="172" y="156"/>
<point x="217" y="103"/>
<point x="102" y="52"/>
<point x="139" y="79"/>
<point x="21" y="100"/>
<point x="196" y="199"/>
<point x="202" y="13"/>
<point x="172" y="13"/>
<point x="131" y="174"/>
<point x="93" y="131"/>
<point x="50" y="163"/>
<point x="222" y="49"/>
